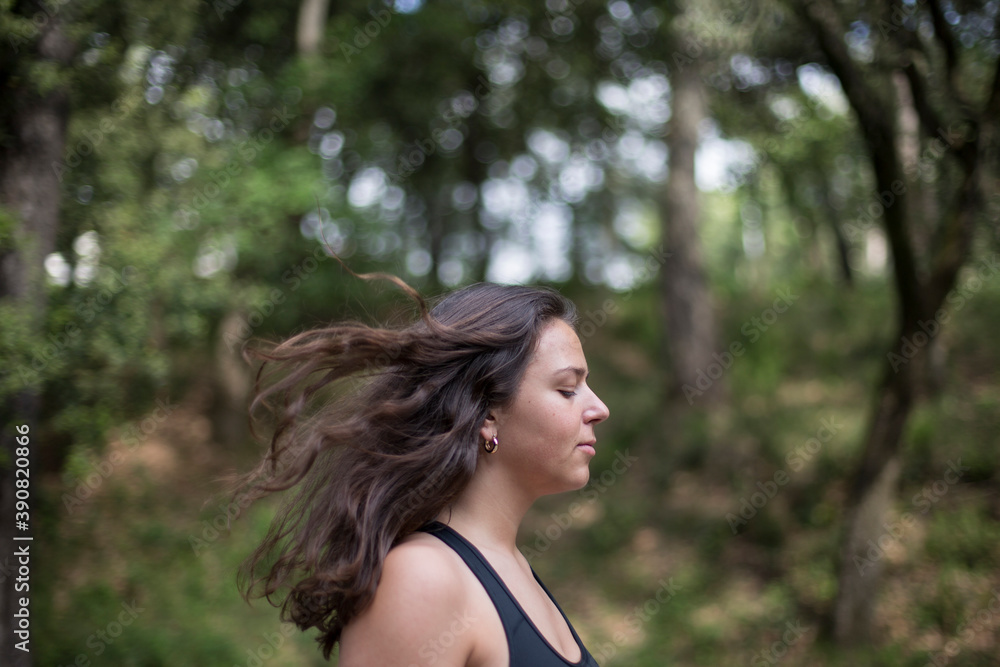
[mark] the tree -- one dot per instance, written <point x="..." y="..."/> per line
<point x="33" y="122"/>
<point x="956" y="147"/>
<point x="687" y="300"/>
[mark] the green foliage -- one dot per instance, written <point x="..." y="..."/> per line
<point x="735" y="593"/>
<point x="8" y="228"/>
<point x="203" y="152"/>
<point x="18" y="346"/>
<point x="965" y="538"/>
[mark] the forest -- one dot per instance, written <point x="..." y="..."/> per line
<point x="779" y="221"/>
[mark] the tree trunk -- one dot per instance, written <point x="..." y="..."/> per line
<point x="842" y="256"/>
<point x="29" y="193"/>
<point x="311" y="26"/>
<point x="687" y="302"/>
<point x="874" y="484"/>
<point x="231" y="384"/>
<point x="870" y="497"/>
<point x="919" y="297"/>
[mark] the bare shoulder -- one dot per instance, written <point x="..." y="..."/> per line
<point x="421" y="597"/>
<point x="424" y="564"/>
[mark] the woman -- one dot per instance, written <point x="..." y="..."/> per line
<point x="400" y="541"/>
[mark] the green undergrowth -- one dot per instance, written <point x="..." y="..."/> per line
<point x="653" y="561"/>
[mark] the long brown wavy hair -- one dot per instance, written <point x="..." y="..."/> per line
<point x="386" y="453"/>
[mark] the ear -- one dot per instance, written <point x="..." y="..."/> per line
<point x="489" y="427"/>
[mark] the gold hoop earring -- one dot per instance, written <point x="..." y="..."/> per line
<point x="491" y="445"/>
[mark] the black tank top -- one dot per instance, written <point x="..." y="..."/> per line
<point x="526" y="645"/>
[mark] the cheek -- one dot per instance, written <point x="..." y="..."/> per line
<point x="547" y="422"/>
<point x="539" y="410"/>
<point x="558" y="416"/>
<point x="562" y="422"/>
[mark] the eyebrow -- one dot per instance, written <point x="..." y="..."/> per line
<point x="580" y="372"/>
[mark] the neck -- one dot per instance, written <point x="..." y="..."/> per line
<point x="489" y="511"/>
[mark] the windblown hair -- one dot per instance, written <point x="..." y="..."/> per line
<point x="370" y="467"/>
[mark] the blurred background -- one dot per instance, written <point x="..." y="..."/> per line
<point x="780" y="222"/>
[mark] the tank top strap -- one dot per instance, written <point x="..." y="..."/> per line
<point x="525" y="642"/>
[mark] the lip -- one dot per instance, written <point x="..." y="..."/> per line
<point x="588" y="446"/>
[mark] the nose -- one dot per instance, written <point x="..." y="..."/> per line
<point x="598" y="412"/>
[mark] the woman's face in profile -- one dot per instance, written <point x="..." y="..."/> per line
<point x="547" y="433"/>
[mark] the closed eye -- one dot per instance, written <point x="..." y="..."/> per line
<point x="567" y="394"/>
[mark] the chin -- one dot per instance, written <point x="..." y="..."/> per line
<point x="574" y="483"/>
<point x="581" y="480"/>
